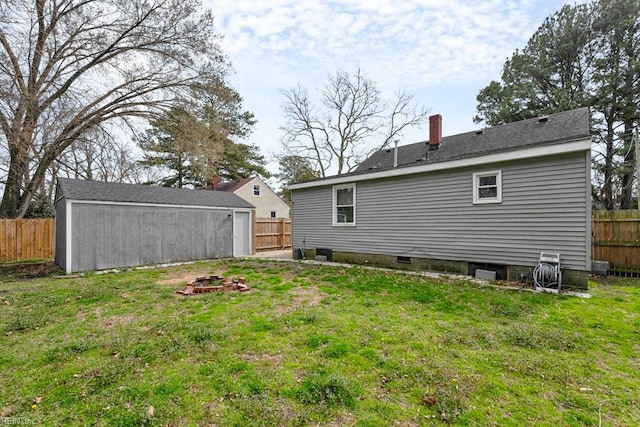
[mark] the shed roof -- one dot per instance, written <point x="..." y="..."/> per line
<point x="78" y="189"/>
<point x="553" y="129"/>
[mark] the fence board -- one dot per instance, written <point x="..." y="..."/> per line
<point x="22" y="239"/>
<point x="616" y="238"/>
<point x="272" y="233"/>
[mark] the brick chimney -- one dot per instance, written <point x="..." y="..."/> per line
<point x="215" y="182"/>
<point x="435" y="131"/>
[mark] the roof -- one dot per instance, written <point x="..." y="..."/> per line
<point x="546" y="130"/>
<point x="557" y="133"/>
<point x="232" y="186"/>
<point x="78" y="189"/>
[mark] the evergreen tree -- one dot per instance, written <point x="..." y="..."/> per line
<point x="178" y="144"/>
<point x="583" y="55"/>
<point x="294" y="169"/>
<point x="197" y="139"/>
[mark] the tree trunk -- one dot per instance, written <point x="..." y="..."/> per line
<point x="13" y="186"/>
<point x="626" y="192"/>
<point x="607" y="186"/>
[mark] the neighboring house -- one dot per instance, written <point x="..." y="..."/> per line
<point x="491" y="199"/>
<point x="255" y="191"/>
<point x="102" y="225"/>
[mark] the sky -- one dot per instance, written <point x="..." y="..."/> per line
<point x="443" y="52"/>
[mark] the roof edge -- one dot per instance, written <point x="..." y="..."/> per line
<point x="113" y="202"/>
<point x="570" y="146"/>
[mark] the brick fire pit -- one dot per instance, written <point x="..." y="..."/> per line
<point x="214" y="284"/>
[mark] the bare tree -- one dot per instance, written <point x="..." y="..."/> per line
<point x="353" y="121"/>
<point x="67" y="66"/>
<point x="98" y="155"/>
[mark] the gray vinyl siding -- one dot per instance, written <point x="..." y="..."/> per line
<point x="545" y="208"/>
<point x="61" y="233"/>
<point x="107" y="236"/>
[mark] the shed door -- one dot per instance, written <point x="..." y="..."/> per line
<point x="241" y="233"/>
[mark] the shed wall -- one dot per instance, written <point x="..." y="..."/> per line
<point x="545" y="208"/>
<point x="107" y="236"/>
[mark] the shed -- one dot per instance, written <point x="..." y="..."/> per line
<point x="491" y="199"/>
<point x="102" y="225"/>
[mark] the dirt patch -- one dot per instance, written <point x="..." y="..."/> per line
<point x="108" y="322"/>
<point x="307" y="296"/>
<point x="274" y="359"/>
<point x="13" y="272"/>
<point x="185" y="277"/>
<point x="113" y="321"/>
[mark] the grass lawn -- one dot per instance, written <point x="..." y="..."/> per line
<point x="314" y="345"/>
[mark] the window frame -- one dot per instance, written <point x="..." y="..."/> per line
<point x="259" y="188"/>
<point x="334" y="205"/>
<point x="477" y="200"/>
<point x="273" y="214"/>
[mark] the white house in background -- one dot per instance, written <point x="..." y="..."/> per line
<point x="255" y="191"/>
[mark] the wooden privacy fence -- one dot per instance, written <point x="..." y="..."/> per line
<point x="22" y="239"/>
<point x="616" y="238"/>
<point x="272" y="233"/>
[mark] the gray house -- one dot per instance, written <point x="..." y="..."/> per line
<point x="491" y="199"/>
<point x="103" y="225"/>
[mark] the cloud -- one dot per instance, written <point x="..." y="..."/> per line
<point x="436" y="40"/>
<point x="429" y="47"/>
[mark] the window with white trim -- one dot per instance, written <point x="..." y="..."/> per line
<point x="256" y="190"/>
<point x="273" y="214"/>
<point x="344" y="205"/>
<point x="487" y="187"/>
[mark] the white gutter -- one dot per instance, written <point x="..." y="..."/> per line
<point x="527" y="153"/>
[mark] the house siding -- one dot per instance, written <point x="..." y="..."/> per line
<point x="545" y="208"/>
<point x="265" y="203"/>
<point x="111" y="235"/>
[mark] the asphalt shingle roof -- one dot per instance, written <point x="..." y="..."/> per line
<point x="233" y="185"/>
<point x="555" y="129"/>
<point x="78" y="189"/>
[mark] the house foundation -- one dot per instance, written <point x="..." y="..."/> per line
<point x="571" y="279"/>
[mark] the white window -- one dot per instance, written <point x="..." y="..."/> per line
<point x="344" y="205"/>
<point x="273" y="214"/>
<point x="487" y="187"/>
<point x="256" y="190"/>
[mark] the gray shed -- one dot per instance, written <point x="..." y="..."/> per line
<point x="493" y="199"/>
<point x="102" y="225"/>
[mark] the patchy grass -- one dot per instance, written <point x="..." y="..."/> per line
<point x="314" y="345"/>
